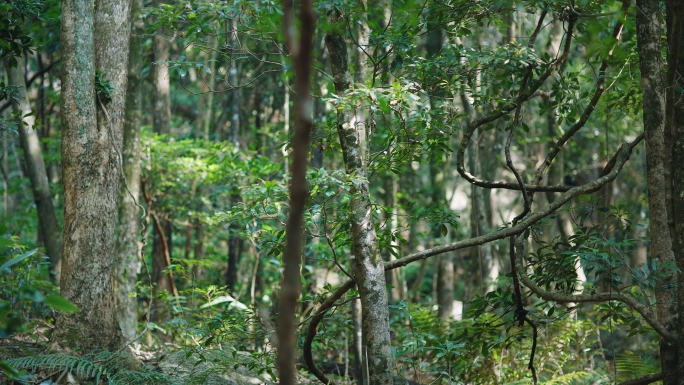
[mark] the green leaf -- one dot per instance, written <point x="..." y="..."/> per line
<point x="525" y="128"/>
<point x="396" y="64"/>
<point x="16" y="260"/>
<point x="6" y="242"/>
<point x="61" y="304"/>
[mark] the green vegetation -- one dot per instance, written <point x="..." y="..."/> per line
<point x="492" y="192"/>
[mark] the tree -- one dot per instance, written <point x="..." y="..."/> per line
<point x="301" y="51"/>
<point x="367" y="264"/>
<point x="95" y="42"/>
<point x="33" y="157"/>
<point x="127" y="248"/>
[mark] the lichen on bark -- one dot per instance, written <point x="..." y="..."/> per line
<point x="367" y="264"/>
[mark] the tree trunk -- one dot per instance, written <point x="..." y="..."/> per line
<point x="649" y="31"/>
<point x="302" y="52"/>
<point x="161" y="124"/>
<point x="676" y="108"/>
<point x="35" y="167"/>
<point x="235" y="93"/>
<point x="161" y="90"/>
<point x="161" y="259"/>
<point x="127" y="247"/>
<point x="92" y="137"/>
<point x="367" y="264"/>
<point x="231" y="272"/>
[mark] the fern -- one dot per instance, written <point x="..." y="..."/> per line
<point x="569" y="379"/>
<point x="114" y="367"/>
<point x="629" y="366"/>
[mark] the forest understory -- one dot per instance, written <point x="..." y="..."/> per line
<point x="342" y="192"/>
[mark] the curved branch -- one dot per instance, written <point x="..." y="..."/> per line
<point x="523" y="97"/>
<point x="608" y="175"/>
<point x="541" y="170"/>
<point x="507" y="151"/>
<point x="600" y="88"/>
<point x="311" y="330"/>
<point x="637" y="306"/>
<point x="509" y="140"/>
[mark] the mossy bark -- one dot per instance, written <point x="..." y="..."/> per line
<point x="127" y="247"/>
<point x="92" y="136"/>
<point x="367" y="264"/>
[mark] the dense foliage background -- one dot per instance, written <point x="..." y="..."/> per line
<point x="213" y="194"/>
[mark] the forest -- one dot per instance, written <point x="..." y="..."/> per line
<point x="366" y="192"/>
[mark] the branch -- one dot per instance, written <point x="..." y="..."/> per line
<point x="609" y="174"/>
<point x="522" y="97"/>
<point x="311" y="330"/>
<point x="644" y="380"/>
<point x="600" y="88"/>
<point x="530" y="365"/>
<point x="30" y="81"/>
<point x="637" y="306"/>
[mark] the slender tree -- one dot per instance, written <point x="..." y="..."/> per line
<point x="367" y="264"/>
<point x="127" y="247"/>
<point x="162" y="243"/>
<point x="35" y="167"/>
<point x="301" y="50"/>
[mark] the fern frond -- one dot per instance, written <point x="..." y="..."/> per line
<point x="114" y="367"/>
<point x="568" y="379"/>
<point x="629" y="366"/>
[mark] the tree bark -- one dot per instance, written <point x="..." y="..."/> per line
<point x="302" y="54"/>
<point x="35" y="168"/>
<point x="231" y="272"/>
<point x="649" y="31"/>
<point x="445" y="263"/>
<point x="127" y="247"/>
<point x="676" y="109"/>
<point x="367" y="264"/>
<point x="92" y="136"/>
<point x="161" y="91"/>
<point x="161" y="124"/>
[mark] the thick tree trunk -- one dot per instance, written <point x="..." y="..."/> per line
<point x="127" y="247"/>
<point x="367" y="264"/>
<point x="649" y="31"/>
<point x="92" y="136"/>
<point x="35" y="167"/>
